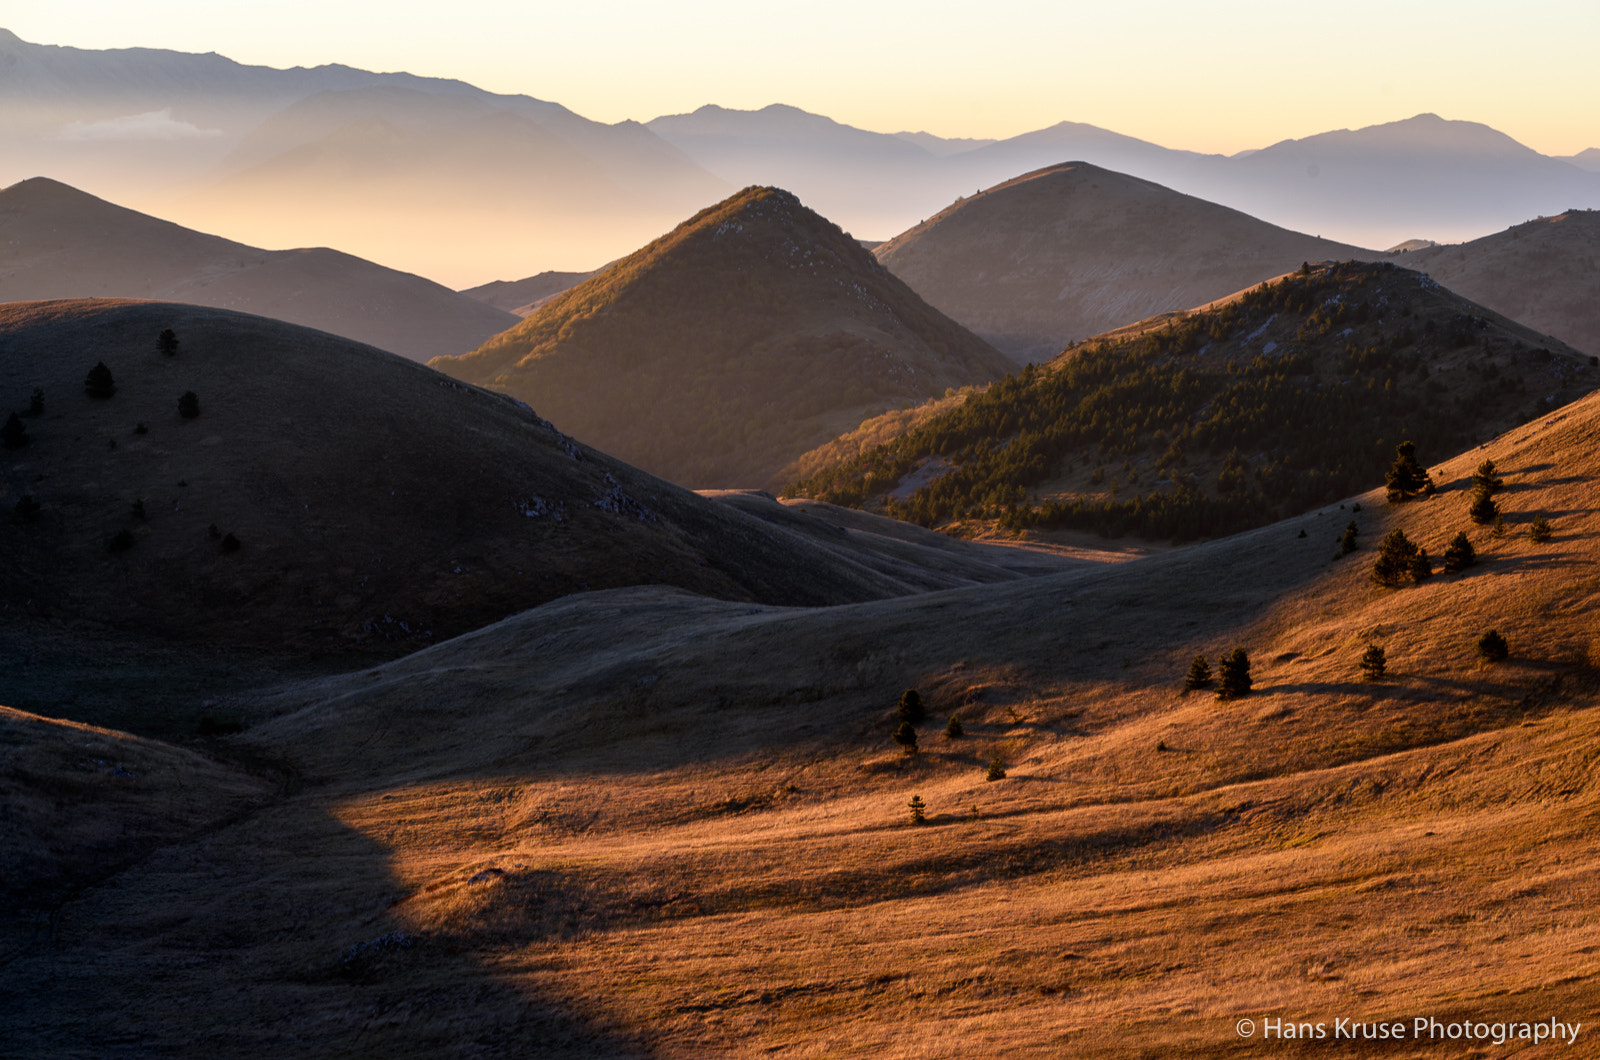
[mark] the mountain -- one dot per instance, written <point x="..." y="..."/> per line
<point x="58" y="242"/>
<point x="480" y="182"/>
<point x="332" y="498"/>
<point x="639" y="823"/>
<point x="1542" y="273"/>
<point x="1063" y="253"/>
<point x="1452" y="179"/>
<point x="1278" y="399"/>
<point x="940" y="146"/>
<point x="750" y="333"/>
<point x="1588" y="158"/>
<point x="523" y="296"/>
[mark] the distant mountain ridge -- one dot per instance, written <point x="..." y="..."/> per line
<point x="717" y="354"/>
<point x="58" y="242"/>
<point x="1073" y="250"/>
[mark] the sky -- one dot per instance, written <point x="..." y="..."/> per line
<point x="1220" y="76"/>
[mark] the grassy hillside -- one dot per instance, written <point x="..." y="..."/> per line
<point x="641" y="823"/>
<point x="58" y="242"/>
<point x="330" y="497"/>
<point x="1073" y="250"/>
<point x="1542" y="273"/>
<point x="714" y="356"/>
<point x="1292" y="394"/>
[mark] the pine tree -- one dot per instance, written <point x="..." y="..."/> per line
<point x="14" y="434"/>
<point x="1492" y="647"/>
<point x="1199" y="675"/>
<point x="1483" y="510"/>
<point x="167" y="342"/>
<point x="1396" y="559"/>
<point x="953" y="729"/>
<point x="1233" y="675"/>
<point x="98" y="384"/>
<point x="911" y="708"/>
<point x="997" y="771"/>
<point x="1406" y="477"/>
<point x="1486" y="480"/>
<point x="918" y="809"/>
<point x="1539" y="530"/>
<point x="1347" y="543"/>
<point x="189" y="405"/>
<point x="1459" y="554"/>
<point x="35" y="404"/>
<point x="906" y="737"/>
<point x="1421" y="566"/>
<point x="1374" y="663"/>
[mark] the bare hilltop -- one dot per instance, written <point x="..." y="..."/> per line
<point x="58" y="242"/>
<point x="1072" y="250"/>
<point x="751" y="333"/>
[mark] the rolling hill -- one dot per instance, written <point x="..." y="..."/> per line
<point x="749" y="334"/>
<point x="641" y="823"/>
<point x="330" y="498"/>
<point x="1063" y="253"/>
<point x="523" y="296"/>
<point x="1285" y="396"/>
<point x="1542" y="273"/>
<point x="58" y="242"/>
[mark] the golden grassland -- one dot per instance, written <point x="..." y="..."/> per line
<point x="645" y="823"/>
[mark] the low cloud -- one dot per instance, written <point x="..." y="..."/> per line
<point x="152" y="125"/>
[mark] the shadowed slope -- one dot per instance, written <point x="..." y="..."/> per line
<point x="57" y="242"/>
<point x="377" y="503"/>
<point x="1543" y="274"/>
<point x="718" y="353"/>
<point x="1066" y="252"/>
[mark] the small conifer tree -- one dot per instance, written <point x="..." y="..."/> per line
<point x="1233" y="675"/>
<point x="1483" y="509"/>
<point x="230" y="544"/>
<point x="953" y="729"/>
<point x="188" y="405"/>
<point x="1199" y="675"/>
<point x="1486" y="480"/>
<point x="1539" y="530"/>
<point x="1396" y="559"/>
<point x="120" y="542"/>
<point x="911" y="709"/>
<point x="906" y="737"/>
<point x="1492" y="647"/>
<point x="1421" y="566"/>
<point x="98" y="384"/>
<point x="1406" y="477"/>
<point x="918" y="809"/>
<point x="167" y="342"/>
<point x="1374" y="663"/>
<point x="1347" y="543"/>
<point x="14" y="434"/>
<point x="1459" y="554"/>
<point x="997" y="771"/>
<point x="26" y="509"/>
<point x="35" y="404"/>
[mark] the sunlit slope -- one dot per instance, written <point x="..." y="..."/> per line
<point x="375" y="503"/>
<point x="715" y="355"/>
<point x="693" y="839"/>
<point x="1290" y="394"/>
<point x="1542" y="273"/>
<point x="57" y="242"/>
<point x="1066" y="252"/>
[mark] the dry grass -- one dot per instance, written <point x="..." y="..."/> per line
<point x="646" y="822"/>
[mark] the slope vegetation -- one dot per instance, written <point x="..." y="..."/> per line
<point x="1543" y="274"/>
<point x="331" y="497"/>
<point x="1291" y="394"/>
<point x="715" y="355"/>
<point x="640" y="823"/>
<point x="58" y="242"/>
<point x="1063" y="253"/>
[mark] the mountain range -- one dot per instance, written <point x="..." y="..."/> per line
<point x="265" y="155"/>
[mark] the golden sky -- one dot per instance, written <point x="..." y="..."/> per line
<point x="1217" y="76"/>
